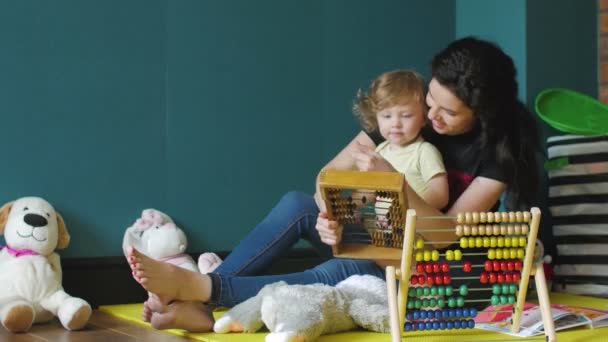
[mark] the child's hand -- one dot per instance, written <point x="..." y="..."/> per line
<point x="366" y="159"/>
<point x="330" y="232"/>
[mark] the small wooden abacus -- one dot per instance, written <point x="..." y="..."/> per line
<point x="371" y="205"/>
<point x="425" y="286"/>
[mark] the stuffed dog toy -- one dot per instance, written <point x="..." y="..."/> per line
<point x="156" y="235"/>
<point x="30" y="271"/>
<point x="304" y="312"/>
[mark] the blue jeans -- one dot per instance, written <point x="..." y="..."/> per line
<point x="293" y="218"/>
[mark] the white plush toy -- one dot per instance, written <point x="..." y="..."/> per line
<point x="30" y="271"/>
<point x="304" y="312"/>
<point x="156" y="235"/>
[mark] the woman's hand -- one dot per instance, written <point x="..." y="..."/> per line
<point x="330" y="231"/>
<point x="367" y="159"/>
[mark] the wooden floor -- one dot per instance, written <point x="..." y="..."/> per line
<point x="102" y="327"/>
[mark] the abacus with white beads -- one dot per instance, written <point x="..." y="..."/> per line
<point x="371" y="206"/>
<point x="428" y="296"/>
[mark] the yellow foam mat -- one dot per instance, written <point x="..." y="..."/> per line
<point x="132" y="313"/>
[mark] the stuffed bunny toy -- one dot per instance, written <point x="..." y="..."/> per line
<point x="304" y="312"/>
<point x="30" y="270"/>
<point x="156" y="235"/>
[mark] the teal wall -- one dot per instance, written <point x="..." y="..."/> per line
<point x="207" y="110"/>
<point x="82" y="101"/>
<point x="500" y="21"/>
<point x="562" y="46"/>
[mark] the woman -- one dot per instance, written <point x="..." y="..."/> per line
<point x="487" y="139"/>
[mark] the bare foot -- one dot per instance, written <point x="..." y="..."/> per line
<point x="155" y="304"/>
<point x="146" y="313"/>
<point x="190" y="316"/>
<point x="167" y="281"/>
<point x="207" y="262"/>
<point x="151" y="306"/>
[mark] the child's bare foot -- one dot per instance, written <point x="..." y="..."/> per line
<point x="146" y="313"/>
<point x="207" y="262"/>
<point x="190" y="316"/>
<point x="167" y="281"/>
<point x="151" y="306"/>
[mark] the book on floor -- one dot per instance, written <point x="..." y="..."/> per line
<point x="498" y="318"/>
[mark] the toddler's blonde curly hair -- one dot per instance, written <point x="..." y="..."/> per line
<point x="397" y="87"/>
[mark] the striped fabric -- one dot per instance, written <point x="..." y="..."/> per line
<point x="578" y="201"/>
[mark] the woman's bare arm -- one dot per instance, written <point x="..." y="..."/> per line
<point x="480" y="196"/>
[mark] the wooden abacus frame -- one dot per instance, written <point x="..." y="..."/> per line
<point x="389" y="182"/>
<point x="397" y="301"/>
<point x="330" y="180"/>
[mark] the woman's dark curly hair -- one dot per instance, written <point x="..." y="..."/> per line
<point x="481" y="75"/>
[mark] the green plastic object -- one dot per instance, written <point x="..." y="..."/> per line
<point x="572" y="112"/>
<point x="556" y="164"/>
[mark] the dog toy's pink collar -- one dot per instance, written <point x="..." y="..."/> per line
<point x="18" y="252"/>
<point x="177" y="259"/>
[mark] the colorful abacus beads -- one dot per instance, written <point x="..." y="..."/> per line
<point x="504" y="289"/>
<point x="430" y="280"/>
<point x="453" y="255"/>
<point x="503" y="265"/>
<point x="432" y="267"/>
<point x="506" y="253"/>
<point x="452" y="302"/>
<point x="414" y="315"/>
<point x="499" y="277"/>
<point x="427" y="255"/>
<point x="456" y="302"/>
<point x="489" y="229"/>
<point x="463" y="290"/>
<point x="436" y="267"/>
<point x="440" y="325"/>
<point x="490" y="217"/>
<point x="426" y="303"/>
<point x="414" y="292"/>
<point x="478" y="242"/>
<point x="502" y="299"/>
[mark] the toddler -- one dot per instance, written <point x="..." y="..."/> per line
<point x="394" y="105"/>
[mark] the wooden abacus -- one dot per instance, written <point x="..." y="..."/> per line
<point x="509" y="237"/>
<point x="351" y="198"/>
